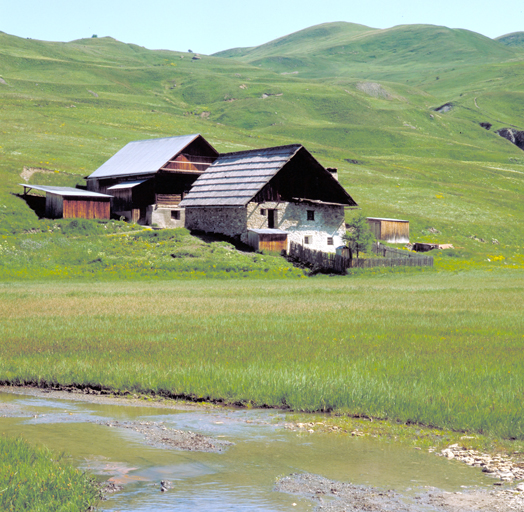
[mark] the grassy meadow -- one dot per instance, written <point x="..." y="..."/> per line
<point x="38" y="480"/>
<point x="431" y="348"/>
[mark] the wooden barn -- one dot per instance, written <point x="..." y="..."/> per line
<point x="269" y="197"/>
<point x="149" y="178"/>
<point x="73" y="203"/>
<point x="389" y="230"/>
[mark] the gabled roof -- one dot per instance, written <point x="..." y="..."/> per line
<point x="65" y="191"/>
<point x="143" y="156"/>
<point x="235" y="178"/>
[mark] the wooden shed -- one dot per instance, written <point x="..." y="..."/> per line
<point x="390" y="230"/>
<point x="274" y="240"/>
<point x="73" y="203"/>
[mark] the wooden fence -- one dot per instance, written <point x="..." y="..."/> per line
<point x="322" y="261"/>
<point x="391" y="252"/>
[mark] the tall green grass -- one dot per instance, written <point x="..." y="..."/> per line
<point x="35" y="479"/>
<point x="114" y="250"/>
<point x="436" y="349"/>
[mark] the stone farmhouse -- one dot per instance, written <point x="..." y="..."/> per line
<point x="263" y="197"/>
<point x="268" y="198"/>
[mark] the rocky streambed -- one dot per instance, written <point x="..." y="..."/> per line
<point x="496" y="466"/>
<point x="333" y="496"/>
<point x="170" y="456"/>
<point x="158" y="434"/>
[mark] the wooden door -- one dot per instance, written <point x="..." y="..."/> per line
<point x="271" y="216"/>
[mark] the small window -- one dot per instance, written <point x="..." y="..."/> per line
<point x="307" y="240"/>
<point x="330" y="240"/>
<point x="310" y="214"/>
<point x="263" y="211"/>
<point x="175" y="214"/>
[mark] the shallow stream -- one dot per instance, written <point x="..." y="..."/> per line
<point x="241" y="477"/>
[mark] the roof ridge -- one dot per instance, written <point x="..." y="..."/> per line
<point x="298" y="146"/>
<point x="164" y="138"/>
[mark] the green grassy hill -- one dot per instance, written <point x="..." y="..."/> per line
<point x="363" y="100"/>
<point x="514" y="39"/>
<point x="400" y="53"/>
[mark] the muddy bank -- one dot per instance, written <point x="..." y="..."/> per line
<point x="157" y="434"/>
<point x="95" y="397"/>
<point x="332" y="496"/>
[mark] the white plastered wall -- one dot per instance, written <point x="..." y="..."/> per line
<point x="292" y="217"/>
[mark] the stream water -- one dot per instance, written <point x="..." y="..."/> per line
<point x="242" y="477"/>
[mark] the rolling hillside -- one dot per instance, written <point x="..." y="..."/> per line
<point x="361" y="99"/>
<point x="515" y="39"/>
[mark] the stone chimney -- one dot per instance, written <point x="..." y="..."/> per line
<point x="333" y="171"/>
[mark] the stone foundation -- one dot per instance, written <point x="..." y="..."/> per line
<point x="226" y="221"/>
<point x="165" y="217"/>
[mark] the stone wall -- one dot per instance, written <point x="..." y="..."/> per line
<point x="293" y="217"/>
<point x="226" y="221"/>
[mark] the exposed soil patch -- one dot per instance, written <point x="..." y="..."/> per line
<point x="333" y="496"/>
<point x="475" y="501"/>
<point x="373" y="89"/>
<point x="444" y="108"/>
<point x="157" y="434"/>
<point x="27" y="172"/>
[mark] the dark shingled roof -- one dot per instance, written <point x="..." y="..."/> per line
<point x="235" y="178"/>
<point x="143" y="156"/>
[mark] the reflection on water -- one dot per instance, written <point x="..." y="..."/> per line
<point x="241" y="478"/>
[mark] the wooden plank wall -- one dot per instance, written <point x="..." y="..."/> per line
<point x="54" y="207"/>
<point x="389" y="230"/>
<point x="274" y="243"/>
<point x="393" y="231"/>
<point x="79" y="208"/>
<point x="168" y="199"/>
<point x="268" y="242"/>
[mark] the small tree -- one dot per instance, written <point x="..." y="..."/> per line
<point x="358" y="235"/>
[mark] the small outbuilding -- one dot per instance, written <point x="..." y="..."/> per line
<point x="73" y="203"/>
<point x="389" y="230"/>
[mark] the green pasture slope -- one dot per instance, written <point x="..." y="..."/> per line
<point x="438" y="347"/>
<point x="362" y="101"/>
